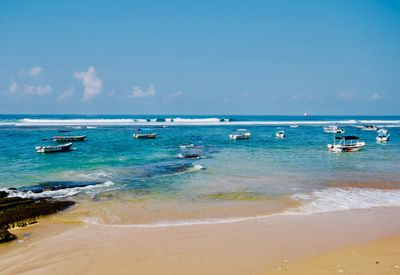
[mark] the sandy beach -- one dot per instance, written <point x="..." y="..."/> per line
<point x="301" y="244"/>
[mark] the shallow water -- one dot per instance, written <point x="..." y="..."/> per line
<point x="240" y="177"/>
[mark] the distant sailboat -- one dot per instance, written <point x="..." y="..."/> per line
<point x="305" y="114"/>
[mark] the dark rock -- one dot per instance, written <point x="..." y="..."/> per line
<point x="56" y="185"/>
<point x="6" y="236"/>
<point x="3" y="194"/>
<point x="191" y="156"/>
<point x="20" y="212"/>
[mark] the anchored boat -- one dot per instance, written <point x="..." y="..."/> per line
<point x="240" y="134"/>
<point x="144" y="133"/>
<point x="383" y="136"/>
<point x="346" y="144"/>
<point x="54" y="149"/>
<point x="368" y="128"/>
<point x="280" y="134"/>
<point x="68" y="138"/>
<point x="333" y="129"/>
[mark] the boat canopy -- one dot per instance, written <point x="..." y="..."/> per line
<point x="144" y="129"/>
<point x="347" y="137"/>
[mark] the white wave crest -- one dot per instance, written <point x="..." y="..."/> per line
<point x="62" y="193"/>
<point x="337" y="199"/>
<point x="191" y="121"/>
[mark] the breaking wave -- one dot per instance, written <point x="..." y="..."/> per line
<point x="188" y="121"/>
<point x="59" y="192"/>
<point x="337" y="199"/>
<point x="328" y="200"/>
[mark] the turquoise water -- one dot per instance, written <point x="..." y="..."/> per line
<point x="110" y="160"/>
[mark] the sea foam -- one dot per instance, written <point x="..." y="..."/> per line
<point x="337" y="199"/>
<point x="62" y="193"/>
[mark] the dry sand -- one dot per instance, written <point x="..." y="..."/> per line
<point x="298" y="242"/>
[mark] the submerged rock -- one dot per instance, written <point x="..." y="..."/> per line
<point x="19" y="212"/>
<point x="6" y="236"/>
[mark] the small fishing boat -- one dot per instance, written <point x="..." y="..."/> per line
<point x="239" y="134"/>
<point x="54" y="149"/>
<point x="294" y="126"/>
<point x="333" y="129"/>
<point x="280" y="134"/>
<point x="346" y="144"/>
<point x="68" y="138"/>
<point x="368" y="128"/>
<point x="383" y="136"/>
<point x="144" y="133"/>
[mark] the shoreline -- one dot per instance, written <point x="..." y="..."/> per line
<point x="243" y="247"/>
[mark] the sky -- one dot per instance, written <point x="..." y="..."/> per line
<point x="282" y="57"/>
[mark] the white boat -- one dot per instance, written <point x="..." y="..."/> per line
<point x="280" y="134"/>
<point x="144" y="133"/>
<point x="293" y="126"/>
<point x="240" y="134"/>
<point x="346" y="144"/>
<point x="333" y="129"/>
<point x="368" y="128"/>
<point x="54" y="149"/>
<point x="383" y="136"/>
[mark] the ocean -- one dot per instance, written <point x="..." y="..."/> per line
<point x="149" y="182"/>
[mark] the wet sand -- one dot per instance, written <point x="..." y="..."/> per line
<point x="256" y="246"/>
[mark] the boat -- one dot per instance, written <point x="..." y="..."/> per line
<point x="54" y="149"/>
<point x="346" y="144"/>
<point x="383" y="136"/>
<point x="368" y="128"/>
<point x="68" y="138"/>
<point x="144" y="133"/>
<point x="333" y="129"/>
<point x="293" y="126"/>
<point x="280" y="134"/>
<point x="240" y="134"/>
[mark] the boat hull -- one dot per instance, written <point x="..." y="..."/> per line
<point x="68" y="138"/>
<point x="144" y="136"/>
<point x="239" y="137"/>
<point x="346" y="148"/>
<point x="54" y="149"/>
<point x="382" y="139"/>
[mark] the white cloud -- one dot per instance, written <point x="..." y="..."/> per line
<point x="32" y="72"/>
<point x="91" y="82"/>
<point x="376" y="96"/>
<point x="67" y="93"/>
<point x="346" y="95"/>
<point x="13" y="87"/>
<point x="38" y="90"/>
<point x="35" y="71"/>
<point x="138" y="92"/>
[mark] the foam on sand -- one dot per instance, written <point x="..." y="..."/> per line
<point x="337" y="199"/>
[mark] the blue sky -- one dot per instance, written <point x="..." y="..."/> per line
<point x="210" y="57"/>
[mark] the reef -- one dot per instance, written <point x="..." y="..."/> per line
<point x="20" y="212"/>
